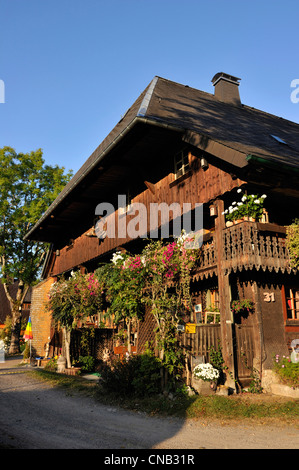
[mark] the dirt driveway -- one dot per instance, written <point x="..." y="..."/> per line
<point x="33" y="415"/>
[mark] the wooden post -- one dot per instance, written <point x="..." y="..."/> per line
<point x="226" y="317"/>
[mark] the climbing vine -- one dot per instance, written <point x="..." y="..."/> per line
<point x="292" y="243"/>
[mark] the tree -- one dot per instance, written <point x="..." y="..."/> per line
<point x="72" y="300"/>
<point x="167" y="293"/>
<point x="124" y="282"/>
<point x="27" y="187"/>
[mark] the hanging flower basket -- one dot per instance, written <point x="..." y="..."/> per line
<point x="242" y="307"/>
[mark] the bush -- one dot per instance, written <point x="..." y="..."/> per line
<point x="51" y="364"/>
<point x="287" y="371"/>
<point x="140" y="376"/>
<point x="86" y="363"/>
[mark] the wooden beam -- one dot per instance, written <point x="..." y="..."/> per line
<point x="226" y="317"/>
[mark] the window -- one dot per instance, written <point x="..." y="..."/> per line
<point x="181" y="163"/>
<point x="292" y="298"/>
<point x="278" y="139"/>
<point x="127" y="203"/>
<point x="212" y="314"/>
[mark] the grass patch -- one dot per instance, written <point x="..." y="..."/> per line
<point x="234" y="407"/>
<point x="69" y="383"/>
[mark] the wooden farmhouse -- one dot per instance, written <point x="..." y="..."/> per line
<point x="179" y="144"/>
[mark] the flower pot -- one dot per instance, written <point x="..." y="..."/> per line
<point x="203" y="387"/>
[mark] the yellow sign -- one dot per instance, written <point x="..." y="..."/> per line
<point x="190" y="328"/>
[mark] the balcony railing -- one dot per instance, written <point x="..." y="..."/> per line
<point x="246" y="245"/>
<point x="249" y="245"/>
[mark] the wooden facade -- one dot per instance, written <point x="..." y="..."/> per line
<point x="248" y="260"/>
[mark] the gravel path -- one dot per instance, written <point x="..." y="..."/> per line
<point x="36" y="416"/>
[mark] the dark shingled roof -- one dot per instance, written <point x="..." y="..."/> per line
<point x="202" y="118"/>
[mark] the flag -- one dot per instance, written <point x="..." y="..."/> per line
<point x="28" y="331"/>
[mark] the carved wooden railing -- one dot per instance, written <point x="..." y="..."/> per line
<point x="249" y="245"/>
<point x="207" y="261"/>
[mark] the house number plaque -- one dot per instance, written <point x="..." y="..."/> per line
<point x="269" y="297"/>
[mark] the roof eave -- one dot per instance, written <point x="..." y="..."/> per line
<point x="138" y="119"/>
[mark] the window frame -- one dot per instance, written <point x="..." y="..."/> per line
<point x="181" y="163"/>
<point x="292" y="303"/>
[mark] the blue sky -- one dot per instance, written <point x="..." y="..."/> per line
<point x="72" y="68"/>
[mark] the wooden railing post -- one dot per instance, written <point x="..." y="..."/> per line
<point x="226" y="317"/>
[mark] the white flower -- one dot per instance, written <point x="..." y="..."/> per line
<point x="205" y="372"/>
<point x="264" y="196"/>
<point x="239" y="204"/>
<point x="116" y="257"/>
<point x="239" y="190"/>
<point x="234" y="203"/>
<point x="256" y="201"/>
<point x="244" y="198"/>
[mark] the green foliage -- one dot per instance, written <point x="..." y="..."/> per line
<point x="51" y="364"/>
<point x="255" y="385"/>
<point x="286" y="370"/>
<point x="244" y="306"/>
<point x="167" y="293"/>
<point x="74" y="299"/>
<point x="158" y="278"/>
<point x="250" y="206"/>
<point x="87" y="334"/>
<point x="217" y="361"/>
<point x="123" y="281"/>
<point x="86" y="363"/>
<point x="139" y="376"/>
<point x="27" y="188"/>
<point x="292" y="243"/>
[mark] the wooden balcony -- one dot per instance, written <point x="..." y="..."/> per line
<point x="246" y="245"/>
<point x="250" y="245"/>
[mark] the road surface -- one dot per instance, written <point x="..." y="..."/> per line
<point x="34" y="415"/>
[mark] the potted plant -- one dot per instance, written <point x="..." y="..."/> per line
<point x="249" y="208"/>
<point x="205" y="378"/>
<point x="242" y="307"/>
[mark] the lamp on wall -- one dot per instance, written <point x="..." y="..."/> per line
<point x="213" y="211"/>
<point x="204" y="164"/>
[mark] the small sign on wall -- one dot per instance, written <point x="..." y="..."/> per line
<point x="269" y="297"/>
<point x="190" y="328"/>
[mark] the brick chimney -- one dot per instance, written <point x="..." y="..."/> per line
<point x="226" y="88"/>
